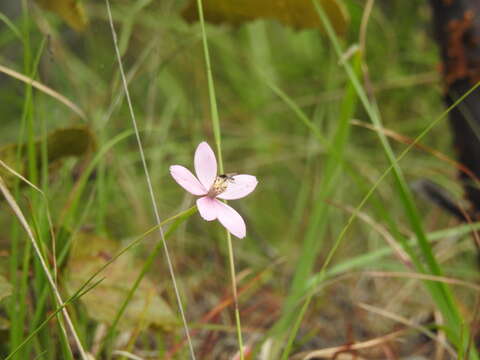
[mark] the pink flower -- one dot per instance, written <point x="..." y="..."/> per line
<point x="211" y="186"/>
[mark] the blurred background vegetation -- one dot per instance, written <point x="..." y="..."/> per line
<point x="261" y="135"/>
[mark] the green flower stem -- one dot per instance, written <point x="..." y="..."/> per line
<point x="218" y="138"/>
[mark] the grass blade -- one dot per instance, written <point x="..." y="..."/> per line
<point x="439" y="291"/>
<point x="19" y="214"/>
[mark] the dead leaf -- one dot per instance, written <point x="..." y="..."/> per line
<point x="75" y="141"/>
<point x="300" y="14"/>
<point x="71" y="11"/>
<point x="5" y="288"/>
<point x="88" y="254"/>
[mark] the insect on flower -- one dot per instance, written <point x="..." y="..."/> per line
<point x="211" y="187"/>
<point x="221" y="184"/>
<point x="228" y="177"/>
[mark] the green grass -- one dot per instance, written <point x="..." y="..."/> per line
<point x="274" y="102"/>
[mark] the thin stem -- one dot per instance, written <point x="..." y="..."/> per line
<point x="149" y="182"/>
<point x="211" y="89"/>
<point x="217" y="135"/>
<point x="234" y="293"/>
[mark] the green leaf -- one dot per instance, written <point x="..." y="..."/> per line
<point x="71" y="11"/>
<point x="299" y="14"/>
<point x="89" y="253"/>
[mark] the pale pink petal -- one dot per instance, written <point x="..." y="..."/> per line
<point x="205" y="164"/>
<point x="208" y="208"/>
<point x="231" y="219"/>
<point x="185" y="179"/>
<point x="238" y="187"/>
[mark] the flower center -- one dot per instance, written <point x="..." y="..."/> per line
<point x="220" y="185"/>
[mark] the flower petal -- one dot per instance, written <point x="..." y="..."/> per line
<point x="208" y="208"/>
<point x="239" y="187"/>
<point x="231" y="219"/>
<point x="205" y="165"/>
<point x="187" y="180"/>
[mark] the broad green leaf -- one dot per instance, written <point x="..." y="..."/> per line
<point x="74" y="141"/>
<point x="89" y="252"/>
<point x="299" y="14"/>
<point x="71" y="11"/>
